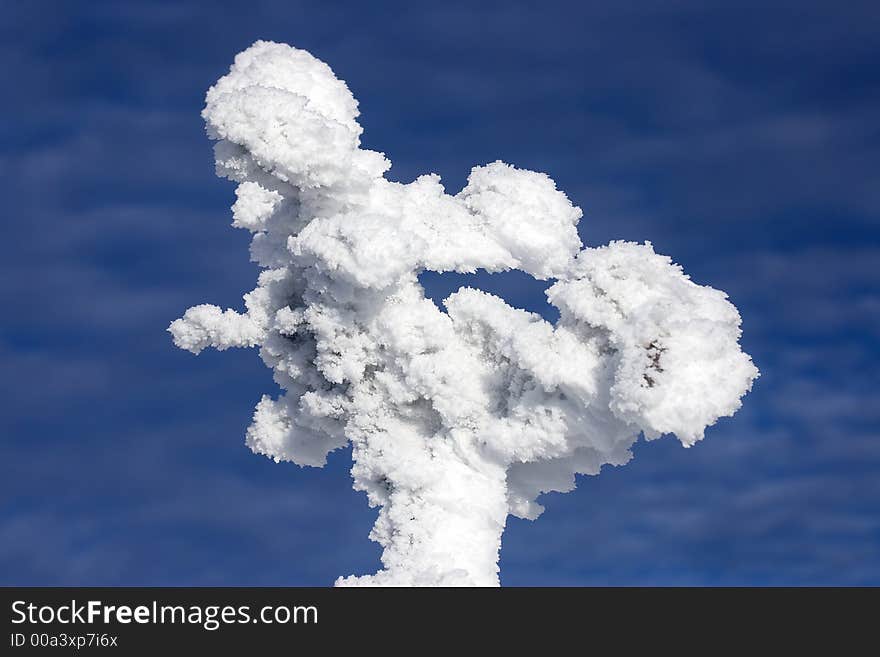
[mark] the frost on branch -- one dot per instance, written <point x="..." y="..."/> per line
<point x="456" y="419"/>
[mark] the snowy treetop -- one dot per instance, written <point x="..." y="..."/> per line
<point x="456" y="418"/>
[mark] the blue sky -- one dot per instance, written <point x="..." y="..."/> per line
<point x="741" y="138"/>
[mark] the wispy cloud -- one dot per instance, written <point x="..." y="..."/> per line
<point x="742" y="140"/>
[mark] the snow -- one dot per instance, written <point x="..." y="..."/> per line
<point x="456" y="418"/>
